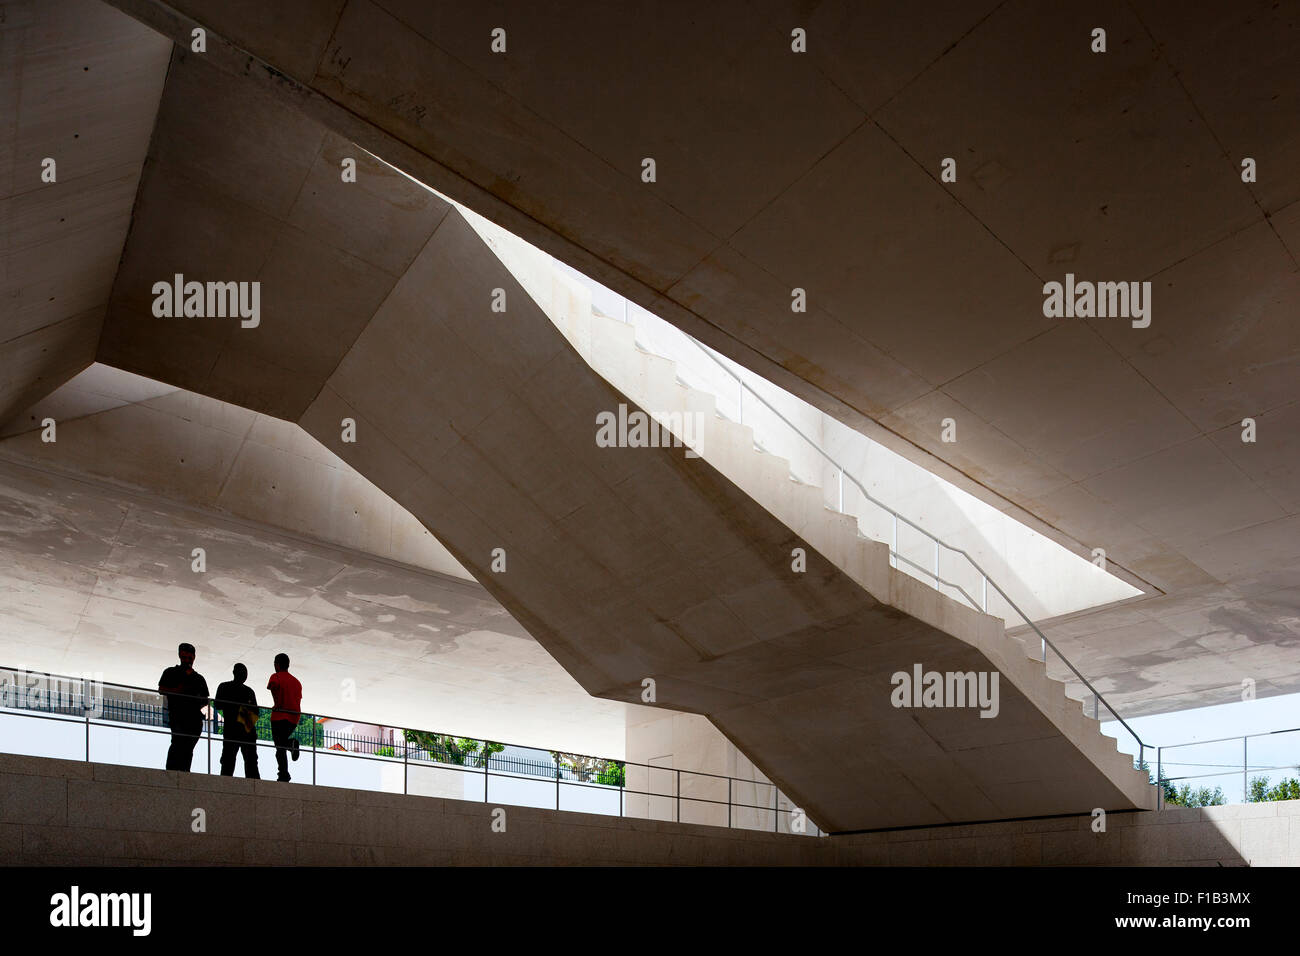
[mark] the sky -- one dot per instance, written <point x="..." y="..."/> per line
<point x="1275" y="754"/>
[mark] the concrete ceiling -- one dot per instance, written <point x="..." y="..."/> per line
<point x="322" y="254"/>
<point x="821" y="171"/>
<point x="97" y="578"/>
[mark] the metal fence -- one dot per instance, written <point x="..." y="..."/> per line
<point x="515" y="772"/>
<point x="1238" y="768"/>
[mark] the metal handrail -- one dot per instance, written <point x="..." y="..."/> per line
<point x="1219" y="740"/>
<point x="844" y="472"/>
<point x="404" y="746"/>
<point x="210" y="733"/>
<point x="1218" y="770"/>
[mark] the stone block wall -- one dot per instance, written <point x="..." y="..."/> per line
<point x="60" y="812"/>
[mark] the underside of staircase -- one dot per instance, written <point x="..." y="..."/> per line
<point x="931" y="765"/>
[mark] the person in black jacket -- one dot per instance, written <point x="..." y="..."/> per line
<point x="187" y="697"/>
<point x="238" y="706"/>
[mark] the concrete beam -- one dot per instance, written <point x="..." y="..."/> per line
<point x="80" y="88"/>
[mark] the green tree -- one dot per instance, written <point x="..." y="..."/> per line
<point x="1170" y="791"/>
<point x="308" y="731"/>
<point x="1200" y="797"/>
<point x="480" y="751"/>
<point x="1185" y="796"/>
<point x="614" y="774"/>
<point x="586" y="769"/>
<point x="1288" y="788"/>
<point x="455" y="750"/>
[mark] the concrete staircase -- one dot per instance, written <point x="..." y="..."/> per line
<point x="609" y="346"/>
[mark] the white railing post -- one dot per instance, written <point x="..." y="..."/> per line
<point x="841" y="473"/>
<point x="984" y="595"/>
<point x="1160" y="775"/>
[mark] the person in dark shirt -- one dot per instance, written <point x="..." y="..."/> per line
<point x="287" y="694"/>
<point x="238" y="706"/>
<point x="187" y="697"/>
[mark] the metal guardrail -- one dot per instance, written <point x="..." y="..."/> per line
<point x="570" y="770"/>
<point x="1222" y="770"/>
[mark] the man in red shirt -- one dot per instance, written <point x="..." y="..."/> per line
<point x="286" y="692"/>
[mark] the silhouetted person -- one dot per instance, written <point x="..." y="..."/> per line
<point x="287" y="694"/>
<point x="238" y="706"/>
<point x="187" y="694"/>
